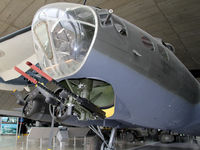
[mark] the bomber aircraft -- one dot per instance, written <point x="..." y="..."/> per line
<point x="85" y="66"/>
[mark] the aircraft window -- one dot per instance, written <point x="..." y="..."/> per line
<point x="66" y="40"/>
<point x="119" y="26"/>
<point x="169" y="46"/>
<point x="82" y="14"/>
<point x="148" y="43"/>
<point x="42" y="35"/>
<point x="121" y="29"/>
<point x="71" y="41"/>
<point x="163" y="52"/>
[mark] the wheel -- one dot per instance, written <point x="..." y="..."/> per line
<point x="130" y="137"/>
<point x="167" y="138"/>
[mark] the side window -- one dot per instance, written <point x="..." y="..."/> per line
<point x="163" y="52"/>
<point x="148" y="44"/>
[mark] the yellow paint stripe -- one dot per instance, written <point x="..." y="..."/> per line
<point x="109" y="112"/>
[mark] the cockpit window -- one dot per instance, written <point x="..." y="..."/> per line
<point x="41" y="32"/>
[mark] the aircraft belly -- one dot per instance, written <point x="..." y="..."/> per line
<point x="139" y="100"/>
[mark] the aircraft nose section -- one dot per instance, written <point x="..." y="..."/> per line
<point x="63" y="35"/>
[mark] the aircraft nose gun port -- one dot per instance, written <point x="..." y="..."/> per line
<point x="66" y="101"/>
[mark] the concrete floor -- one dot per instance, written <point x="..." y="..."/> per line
<point x="173" y="146"/>
<point x="10" y="143"/>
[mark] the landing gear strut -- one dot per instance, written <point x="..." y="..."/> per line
<point x="105" y="145"/>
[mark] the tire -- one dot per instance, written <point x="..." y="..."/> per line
<point x="167" y="138"/>
<point x="130" y="137"/>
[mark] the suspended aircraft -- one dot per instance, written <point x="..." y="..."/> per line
<point x="85" y="66"/>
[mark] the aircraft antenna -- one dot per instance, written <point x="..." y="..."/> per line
<point x="84" y="2"/>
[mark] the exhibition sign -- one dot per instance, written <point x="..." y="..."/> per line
<point x="9" y="125"/>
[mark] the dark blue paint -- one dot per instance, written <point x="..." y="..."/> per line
<point x="139" y="100"/>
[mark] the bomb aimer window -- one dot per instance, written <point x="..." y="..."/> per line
<point x="63" y="36"/>
<point x="41" y="32"/>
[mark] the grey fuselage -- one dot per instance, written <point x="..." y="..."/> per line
<point x="152" y="87"/>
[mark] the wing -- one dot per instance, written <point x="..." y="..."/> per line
<point x="15" y="50"/>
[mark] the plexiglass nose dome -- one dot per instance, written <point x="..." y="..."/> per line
<point x="63" y="35"/>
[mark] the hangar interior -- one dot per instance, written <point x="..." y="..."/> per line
<point x="174" y="21"/>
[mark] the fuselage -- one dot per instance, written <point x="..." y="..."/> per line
<point x="152" y="87"/>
